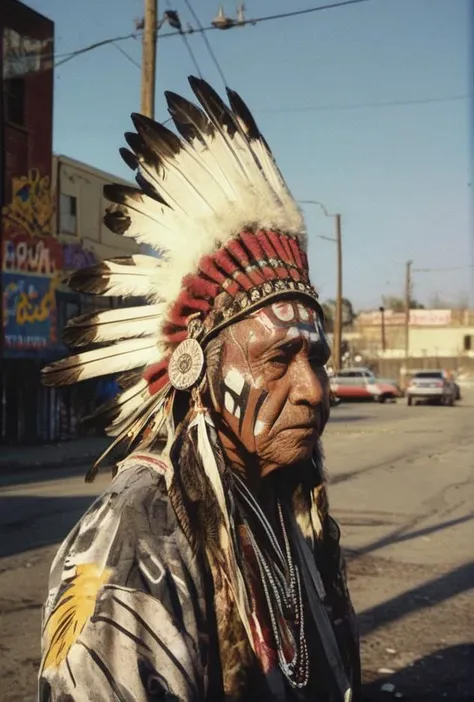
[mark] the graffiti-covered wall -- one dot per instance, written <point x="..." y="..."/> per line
<point x="34" y="260"/>
<point x="30" y="256"/>
<point x="31" y="266"/>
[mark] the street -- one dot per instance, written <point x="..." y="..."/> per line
<point x="402" y="489"/>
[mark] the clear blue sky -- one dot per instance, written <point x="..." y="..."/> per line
<point x="399" y="174"/>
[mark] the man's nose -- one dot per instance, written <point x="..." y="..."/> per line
<point x="306" y="388"/>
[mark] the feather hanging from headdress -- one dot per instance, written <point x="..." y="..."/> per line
<point x="230" y="569"/>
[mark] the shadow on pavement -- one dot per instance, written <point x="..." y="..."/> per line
<point x="30" y="522"/>
<point x="44" y="474"/>
<point x="425" y="596"/>
<point x="402" y="534"/>
<point x="444" y="676"/>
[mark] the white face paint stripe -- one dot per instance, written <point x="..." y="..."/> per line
<point x="229" y="402"/>
<point x="293" y="332"/>
<point x="234" y="381"/>
<point x="303" y="312"/>
<point x="283" y="311"/>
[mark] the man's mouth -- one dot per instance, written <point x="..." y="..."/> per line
<point x="305" y="426"/>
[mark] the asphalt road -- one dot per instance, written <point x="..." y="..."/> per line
<point x="402" y="488"/>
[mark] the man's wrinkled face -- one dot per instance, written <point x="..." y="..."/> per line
<point x="268" y="382"/>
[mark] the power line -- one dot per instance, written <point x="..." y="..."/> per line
<point x="364" y="105"/>
<point x="85" y="49"/>
<point x="207" y="43"/>
<point x="191" y="53"/>
<point x="127" y="55"/>
<point x="172" y="17"/>
<point x="242" y="23"/>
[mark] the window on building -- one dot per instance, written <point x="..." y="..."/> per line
<point x="68" y="214"/>
<point x="14" y="95"/>
<point x="468" y="345"/>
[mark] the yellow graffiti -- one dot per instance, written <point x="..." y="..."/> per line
<point x="29" y="310"/>
<point x="32" y="207"/>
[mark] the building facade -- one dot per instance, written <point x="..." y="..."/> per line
<point x="431" y="333"/>
<point x="51" y="223"/>
<point x="26" y="124"/>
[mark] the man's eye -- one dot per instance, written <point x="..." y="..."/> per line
<point x="280" y="359"/>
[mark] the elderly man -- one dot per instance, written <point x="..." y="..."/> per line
<point x="210" y="569"/>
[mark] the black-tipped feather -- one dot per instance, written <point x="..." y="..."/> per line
<point x="93" y="280"/>
<point x="189" y="120"/>
<point x="119" y="193"/>
<point x="214" y="106"/>
<point x="149" y="190"/>
<point x="129" y="158"/>
<point x="109" y="326"/>
<point x="103" y="416"/>
<point x="110" y="359"/>
<point x="143" y="152"/>
<point x="128" y="379"/>
<point x="243" y="113"/>
<point x="80" y="331"/>
<point x="117" y="221"/>
<point x="157" y="137"/>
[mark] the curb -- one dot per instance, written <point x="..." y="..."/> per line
<point x="62" y="460"/>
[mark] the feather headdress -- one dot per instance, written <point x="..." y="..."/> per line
<point x="228" y="236"/>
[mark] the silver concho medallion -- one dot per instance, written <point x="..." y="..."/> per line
<point x="186" y="364"/>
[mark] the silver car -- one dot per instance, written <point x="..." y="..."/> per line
<point x="431" y="385"/>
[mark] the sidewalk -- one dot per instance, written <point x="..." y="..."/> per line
<point x="65" y="454"/>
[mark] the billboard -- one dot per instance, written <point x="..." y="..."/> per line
<point x="418" y="318"/>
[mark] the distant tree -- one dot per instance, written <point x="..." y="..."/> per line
<point x="439" y="302"/>
<point x="397" y="304"/>
<point x="329" y="309"/>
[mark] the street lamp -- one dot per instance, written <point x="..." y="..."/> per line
<point x="338" y="316"/>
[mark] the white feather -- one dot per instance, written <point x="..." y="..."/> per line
<point x="122" y="323"/>
<point x="116" y="358"/>
<point x="233" y="573"/>
<point x="125" y="280"/>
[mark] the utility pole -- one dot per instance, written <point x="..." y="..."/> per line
<point x="337" y="360"/>
<point x="337" y="331"/>
<point x="382" y="327"/>
<point x="407" y="308"/>
<point x="150" y="34"/>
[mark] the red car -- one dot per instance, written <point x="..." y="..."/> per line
<point x="362" y="384"/>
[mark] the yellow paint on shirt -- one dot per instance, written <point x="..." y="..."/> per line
<point x="72" y="611"/>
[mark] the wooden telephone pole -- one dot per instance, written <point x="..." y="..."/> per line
<point x="150" y="35"/>
<point x="337" y="239"/>
<point x="407" y="308"/>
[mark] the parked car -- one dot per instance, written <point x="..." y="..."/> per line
<point x="435" y="385"/>
<point x="362" y="384"/>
